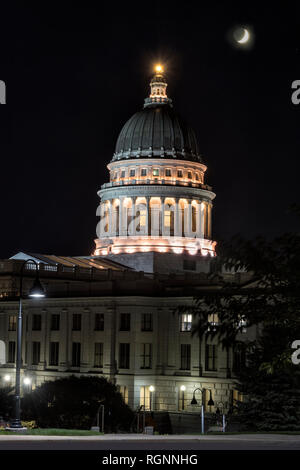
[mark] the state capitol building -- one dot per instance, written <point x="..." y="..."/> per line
<point x="113" y="312"/>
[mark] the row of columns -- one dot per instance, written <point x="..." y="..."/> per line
<point x="120" y="220"/>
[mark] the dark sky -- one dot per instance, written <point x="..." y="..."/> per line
<point x="74" y="75"/>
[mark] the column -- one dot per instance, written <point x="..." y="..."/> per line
<point x="162" y="206"/>
<point x="133" y="216"/>
<point x="209" y="221"/>
<point x="121" y="217"/>
<point x="202" y="220"/>
<point x="148" y="216"/>
<point x="198" y="220"/>
<point x="110" y="220"/>
<point x="176" y="218"/>
<point x="188" y="228"/>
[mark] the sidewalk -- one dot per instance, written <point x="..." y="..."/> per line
<point x="145" y="437"/>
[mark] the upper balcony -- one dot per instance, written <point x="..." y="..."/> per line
<point x="155" y="181"/>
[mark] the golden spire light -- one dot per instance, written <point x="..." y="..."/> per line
<point x="159" y="68"/>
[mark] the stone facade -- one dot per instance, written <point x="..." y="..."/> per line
<point x="173" y="357"/>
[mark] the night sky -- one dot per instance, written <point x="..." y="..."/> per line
<point x="75" y="74"/>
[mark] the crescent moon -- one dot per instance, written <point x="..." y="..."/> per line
<point x="245" y="37"/>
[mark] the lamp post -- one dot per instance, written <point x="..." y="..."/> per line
<point x="194" y="402"/>
<point x="36" y="291"/>
<point x="218" y="412"/>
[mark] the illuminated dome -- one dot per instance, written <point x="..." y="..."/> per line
<point x="157" y="130"/>
<point x="156" y="206"/>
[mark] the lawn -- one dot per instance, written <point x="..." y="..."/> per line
<point x="54" y="432"/>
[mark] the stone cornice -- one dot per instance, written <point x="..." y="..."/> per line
<point x="157" y="161"/>
<point x="153" y="190"/>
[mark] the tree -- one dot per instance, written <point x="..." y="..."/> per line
<point x="73" y="402"/>
<point x="6" y="401"/>
<point x="270" y="300"/>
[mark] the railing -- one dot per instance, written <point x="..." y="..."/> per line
<point x="155" y="181"/>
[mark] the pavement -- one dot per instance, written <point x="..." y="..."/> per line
<point x="148" y="442"/>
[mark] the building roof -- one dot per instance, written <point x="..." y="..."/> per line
<point x="157" y="130"/>
<point x="72" y="261"/>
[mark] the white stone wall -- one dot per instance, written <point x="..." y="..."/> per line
<point x="166" y="338"/>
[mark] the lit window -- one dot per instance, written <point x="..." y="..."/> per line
<point x="145" y="397"/>
<point x="213" y="321"/>
<point x="156" y="172"/>
<point x="124" y="392"/>
<point x="143" y="218"/>
<point x="12" y="323"/>
<point x="168" y="172"/>
<point x="186" y="322"/>
<point x="179" y="173"/>
<point x="167" y="221"/>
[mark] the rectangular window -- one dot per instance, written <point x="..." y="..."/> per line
<point x="167" y="221"/>
<point x="76" y="322"/>
<point x="179" y="174"/>
<point x="11" y="351"/>
<point x="189" y="265"/>
<point x="36" y="351"/>
<point x="55" y="322"/>
<point x="211" y="357"/>
<point x="26" y="352"/>
<point x="124" y="392"/>
<point x="125" y="322"/>
<point x="143" y="214"/>
<point x="99" y="322"/>
<point x="147" y="322"/>
<point x="189" y="175"/>
<point x="124" y="356"/>
<point x="239" y="358"/>
<point x="76" y="352"/>
<point x="185" y="357"/>
<point x="144" y="172"/>
<point x="155" y="172"/>
<point x="145" y="397"/>
<point x="36" y="322"/>
<point x="98" y="357"/>
<point x="168" y="172"/>
<point x="12" y="323"/>
<point x="132" y="172"/>
<point x="146" y="356"/>
<point x="237" y="396"/>
<point x="123" y="174"/>
<point x="197" y="176"/>
<point x="54" y="353"/>
<point x="186" y="320"/>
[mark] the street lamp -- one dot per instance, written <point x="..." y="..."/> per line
<point x="218" y="413"/>
<point x="194" y="402"/>
<point x="151" y="390"/>
<point x="36" y="291"/>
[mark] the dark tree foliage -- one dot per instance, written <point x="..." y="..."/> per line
<point x="72" y="403"/>
<point x="270" y="300"/>
<point x="6" y="401"/>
